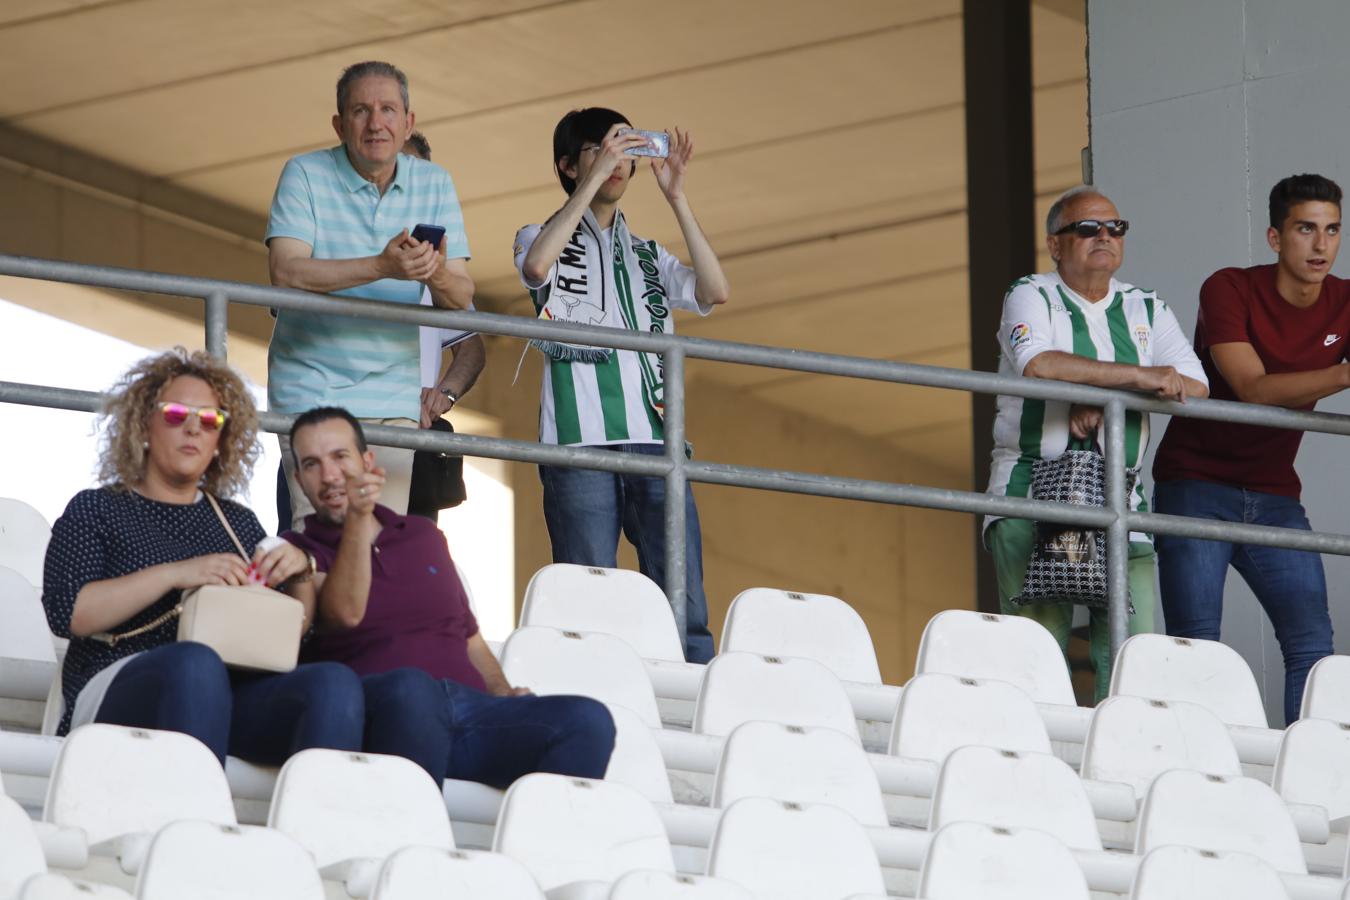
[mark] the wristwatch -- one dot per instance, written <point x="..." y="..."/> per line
<point x="449" y="396"/>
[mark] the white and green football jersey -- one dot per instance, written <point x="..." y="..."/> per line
<point x="1040" y="312"/>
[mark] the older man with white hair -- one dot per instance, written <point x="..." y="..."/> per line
<point x="1079" y="323"/>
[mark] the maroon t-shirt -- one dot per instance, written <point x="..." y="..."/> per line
<point x="1242" y="305"/>
<point x="417" y="615"/>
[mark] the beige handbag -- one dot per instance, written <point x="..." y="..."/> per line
<point x="249" y="626"/>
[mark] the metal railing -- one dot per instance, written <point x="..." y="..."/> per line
<point x="1116" y="517"/>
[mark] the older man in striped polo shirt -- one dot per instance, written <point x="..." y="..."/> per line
<point x="341" y="223"/>
<point x="583" y="265"/>
<point x="1078" y="323"/>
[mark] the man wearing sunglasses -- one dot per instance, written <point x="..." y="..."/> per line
<point x="1078" y="323"/>
<point x="1273" y="334"/>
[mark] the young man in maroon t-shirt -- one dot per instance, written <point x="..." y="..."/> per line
<point x="1277" y="335"/>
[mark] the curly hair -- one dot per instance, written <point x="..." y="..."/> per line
<point x="126" y="421"/>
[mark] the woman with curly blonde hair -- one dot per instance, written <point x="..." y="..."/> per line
<point x="177" y="427"/>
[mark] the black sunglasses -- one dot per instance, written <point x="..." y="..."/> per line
<point x="1090" y="228"/>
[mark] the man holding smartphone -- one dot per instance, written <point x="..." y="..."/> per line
<point x="583" y="265"/>
<point x="341" y="223"/>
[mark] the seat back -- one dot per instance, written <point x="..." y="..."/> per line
<point x="1184" y="873"/>
<point x="1313" y="766"/>
<point x="1134" y="740"/>
<point x="27" y="656"/>
<point x="415" y="873"/>
<point x="967" y="860"/>
<point x="798" y="765"/>
<point x="1208" y="673"/>
<point x="771" y="622"/>
<point x="1007" y="789"/>
<point x="745" y="687"/>
<point x="591" y="664"/>
<point x="226" y="862"/>
<point x="24" y="534"/>
<point x="787" y="851"/>
<point x="1211" y="812"/>
<point x="647" y="885"/>
<point x="938" y="713"/>
<point x="59" y="887"/>
<point x="21" y="854"/>
<point x="565" y="830"/>
<point x="340" y="805"/>
<point x="1326" y="693"/>
<point x="984" y="646"/>
<point x="614" y="601"/>
<point x="636" y="761"/>
<point x="112" y="781"/>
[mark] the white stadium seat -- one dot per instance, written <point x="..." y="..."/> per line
<point x="24" y="535"/>
<point x="1001" y="648"/>
<point x="786" y="623"/>
<point x="799" y="765"/>
<point x="649" y="885"/>
<point x="574" y="830"/>
<point x="1205" y="672"/>
<point x="1326" y="694"/>
<point x="351" y="810"/>
<point x="1184" y="873"/>
<point x="118" y="782"/>
<point x="637" y="761"/>
<point x="967" y="860"/>
<point x="1007" y="789"/>
<point x="785" y="851"/>
<point x="1215" y="813"/>
<point x="58" y="887"/>
<point x="1313" y="766"/>
<point x="416" y="873"/>
<point x="226" y="862"/>
<point x="27" y="656"/>
<point x="588" y="664"/>
<point x="20" y="851"/>
<point x="746" y="687"/>
<point x="1133" y="740"/>
<point x="613" y="601"/>
<point x="938" y="713"/>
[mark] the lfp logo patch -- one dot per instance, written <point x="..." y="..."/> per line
<point x="1020" y="334"/>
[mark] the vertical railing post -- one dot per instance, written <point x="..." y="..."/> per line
<point x="1118" y="534"/>
<point x="676" y="489"/>
<point x="217" y="324"/>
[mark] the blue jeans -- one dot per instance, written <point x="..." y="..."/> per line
<point x="262" y="718"/>
<point x="406" y="716"/>
<point x="495" y="740"/>
<point x="1289" y="584"/>
<point x="585" y="511"/>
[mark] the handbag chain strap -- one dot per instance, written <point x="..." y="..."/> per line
<point x="112" y="640"/>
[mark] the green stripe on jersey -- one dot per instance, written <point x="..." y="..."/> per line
<point x="1082" y="338"/>
<point x="1030" y="430"/>
<point x="612" y="407"/>
<point x="565" y="402"/>
<point x="1122" y="342"/>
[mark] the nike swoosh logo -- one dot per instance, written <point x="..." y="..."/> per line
<point x="1331" y="339"/>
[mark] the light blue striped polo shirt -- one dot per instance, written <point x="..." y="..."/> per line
<point x="370" y="368"/>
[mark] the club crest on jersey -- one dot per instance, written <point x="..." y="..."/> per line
<point x="1020" y="334"/>
<point x="1141" y="337"/>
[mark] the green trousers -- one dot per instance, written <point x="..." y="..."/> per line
<point x="1010" y="541"/>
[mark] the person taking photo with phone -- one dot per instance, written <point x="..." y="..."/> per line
<point x="585" y="266"/>
<point x="342" y="222"/>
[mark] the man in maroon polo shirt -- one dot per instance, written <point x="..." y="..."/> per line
<point x="389" y="597"/>
<point x="1273" y="334"/>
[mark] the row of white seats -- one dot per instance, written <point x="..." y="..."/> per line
<point x="130" y="791"/>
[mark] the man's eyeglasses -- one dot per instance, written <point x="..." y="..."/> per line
<point x="1090" y="228"/>
<point x="176" y="414"/>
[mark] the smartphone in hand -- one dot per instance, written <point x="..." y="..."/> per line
<point x="658" y="143"/>
<point x="430" y="233"/>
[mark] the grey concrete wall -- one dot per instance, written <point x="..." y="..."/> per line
<point x="1197" y="109"/>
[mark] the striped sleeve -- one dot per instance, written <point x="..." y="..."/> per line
<point x="1025" y="331"/>
<point x="292" y="213"/>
